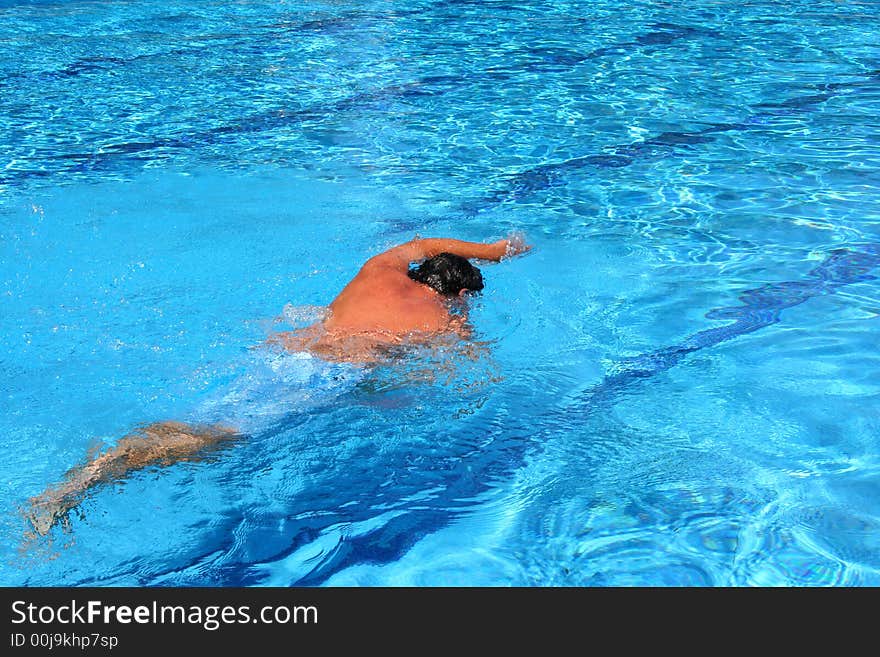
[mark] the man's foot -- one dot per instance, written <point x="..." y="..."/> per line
<point x="44" y="512"/>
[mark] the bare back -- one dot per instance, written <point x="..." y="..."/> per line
<point x="382" y="305"/>
<point x="385" y="300"/>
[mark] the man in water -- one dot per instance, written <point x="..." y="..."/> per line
<point x="387" y="303"/>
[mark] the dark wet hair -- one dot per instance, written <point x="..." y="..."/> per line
<point x="448" y="274"/>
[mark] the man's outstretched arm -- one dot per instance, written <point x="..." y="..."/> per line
<point x="420" y="249"/>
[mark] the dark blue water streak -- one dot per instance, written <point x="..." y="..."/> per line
<point x="667" y="144"/>
<point x="111" y="156"/>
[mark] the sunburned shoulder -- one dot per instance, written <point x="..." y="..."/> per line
<point x="379" y="281"/>
<point x="381" y="266"/>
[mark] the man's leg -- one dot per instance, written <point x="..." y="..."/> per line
<point x="161" y="443"/>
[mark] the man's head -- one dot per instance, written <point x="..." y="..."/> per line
<point x="448" y="274"/>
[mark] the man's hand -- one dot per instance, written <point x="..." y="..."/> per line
<point x="514" y="244"/>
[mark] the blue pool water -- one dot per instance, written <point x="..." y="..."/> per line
<point x="678" y="386"/>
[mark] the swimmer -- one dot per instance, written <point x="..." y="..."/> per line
<point x="387" y="303"/>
